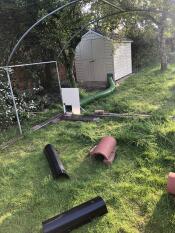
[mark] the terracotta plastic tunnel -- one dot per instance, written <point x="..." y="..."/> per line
<point x="171" y="183"/>
<point x="105" y="149"/>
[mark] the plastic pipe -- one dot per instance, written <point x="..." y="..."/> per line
<point x="171" y="183"/>
<point x="112" y="87"/>
<point x="75" y="217"/>
<point x="105" y="149"/>
<point x="55" y="163"/>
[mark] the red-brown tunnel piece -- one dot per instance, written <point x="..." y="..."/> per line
<point x="171" y="183"/>
<point x="105" y="149"/>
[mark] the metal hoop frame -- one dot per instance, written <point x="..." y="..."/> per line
<point x="6" y="68"/>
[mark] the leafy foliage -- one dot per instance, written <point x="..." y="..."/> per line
<point x="6" y="106"/>
<point x="48" y="39"/>
<point x="146" y="19"/>
<point x="27" y="101"/>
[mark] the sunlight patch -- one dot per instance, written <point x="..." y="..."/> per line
<point x="4" y="217"/>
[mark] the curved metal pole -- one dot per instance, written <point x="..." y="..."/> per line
<point x="26" y="33"/>
<point x="17" y="45"/>
<point x="86" y="25"/>
<point x="121" y="11"/>
<point x="15" y="48"/>
<point x="151" y="10"/>
<point x="35" y="24"/>
<point x="13" y="99"/>
<point x="111" y="4"/>
<point x="60" y="8"/>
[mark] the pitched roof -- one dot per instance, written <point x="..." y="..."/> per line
<point x="112" y="36"/>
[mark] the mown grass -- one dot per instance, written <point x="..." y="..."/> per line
<point x="148" y="91"/>
<point x="134" y="188"/>
<point x="12" y="132"/>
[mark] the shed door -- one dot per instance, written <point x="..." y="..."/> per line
<point x="92" y="59"/>
<point x="86" y="60"/>
<point x="98" y="60"/>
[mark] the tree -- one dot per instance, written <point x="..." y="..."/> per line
<point x="141" y="13"/>
<point x="56" y="34"/>
<point x="49" y="38"/>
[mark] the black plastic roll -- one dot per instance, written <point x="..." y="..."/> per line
<point x="76" y="217"/>
<point x="55" y="163"/>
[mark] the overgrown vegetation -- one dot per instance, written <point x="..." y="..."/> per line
<point x="27" y="101"/>
<point x="134" y="187"/>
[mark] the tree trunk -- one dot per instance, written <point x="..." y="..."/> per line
<point x="70" y="68"/>
<point x="68" y="60"/>
<point x="162" y="44"/>
<point x="70" y="74"/>
<point x="48" y="77"/>
<point x="163" y="55"/>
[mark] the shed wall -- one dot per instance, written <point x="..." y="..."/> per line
<point x="109" y="64"/>
<point x="96" y="56"/>
<point x="122" y="60"/>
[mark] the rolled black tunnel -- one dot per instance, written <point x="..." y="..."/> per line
<point x="76" y="217"/>
<point x="55" y="163"/>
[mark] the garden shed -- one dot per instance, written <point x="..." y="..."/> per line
<point x="97" y="55"/>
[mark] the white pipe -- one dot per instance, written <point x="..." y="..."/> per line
<point x="20" y="40"/>
<point x="58" y="75"/>
<point x="18" y="43"/>
<point x="31" y="64"/>
<point x="35" y="24"/>
<point x="14" y="103"/>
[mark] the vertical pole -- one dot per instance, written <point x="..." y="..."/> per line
<point x="59" y="82"/>
<point x="13" y="98"/>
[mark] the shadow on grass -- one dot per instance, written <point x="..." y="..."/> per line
<point x="162" y="220"/>
<point x="167" y="105"/>
<point x="29" y="192"/>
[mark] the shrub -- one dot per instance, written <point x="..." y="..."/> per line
<point x="27" y="101"/>
<point x="7" y="115"/>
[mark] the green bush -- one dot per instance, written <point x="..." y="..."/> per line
<point x="145" y="52"/>
<point x="6" y="106"/>
<point x="27" y="101"/>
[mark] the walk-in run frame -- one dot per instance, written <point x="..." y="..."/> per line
<point x="6" y="69"/>
<point x="72" y="2"/>
<point x="8" y="66"/>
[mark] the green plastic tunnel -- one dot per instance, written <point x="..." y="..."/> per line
<point x="111" y="88"/>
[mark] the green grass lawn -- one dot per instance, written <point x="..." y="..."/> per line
<point x="134" y="188"/>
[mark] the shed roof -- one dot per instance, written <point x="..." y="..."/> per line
<point x="112" y="36"/>
<point x="98" y="34"/>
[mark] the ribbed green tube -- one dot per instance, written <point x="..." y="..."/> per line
<point x="85" y="101"/>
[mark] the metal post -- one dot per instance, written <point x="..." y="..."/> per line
<point x="58" y="74"/>
<point x="29" y="64"/>
<point x="13" y="98"/>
